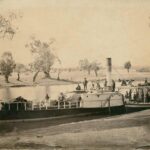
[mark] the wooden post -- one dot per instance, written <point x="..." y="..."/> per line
<point x="69" y="104"/>
<point x="25" y="106"/>
<point x="9" y="106"/>
<point x="17" y="106"/>
<point x="77" y="104"/>
<point x="64" y="104"/>
<point x="145" y="92"/>
<point x="109" y="106"/>
<point x="40" y="105"/>
<point x="58" y="104"/>
<point x="32" y="106"/>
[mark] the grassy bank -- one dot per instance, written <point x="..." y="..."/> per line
<point x="67" y="77"/>
<point x="27" y="80"/>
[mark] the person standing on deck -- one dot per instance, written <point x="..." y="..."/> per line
<point x="130" y="95"/>
<point x="148" y="96"/>
<point x="61" y="97"/>
<point x="146" y="82"/>
<point x="92" y="86"/>
<point x="47" y="97"/>
<point x="133" y="96"/>
<point x="47" y="100"/>
<point x="105" y="83"/>
<point x="127" y="95"/>
<point x="78" y="88"/>
<point x="85" y="84"/>
<point x="113" y="85"/>
<point x="140" y="95"/>
<point x="145" y="91"/>
<point x="98" y="87"/>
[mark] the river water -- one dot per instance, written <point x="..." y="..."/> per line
<point x="34" y="93"/>
<point x="38" y="93"/>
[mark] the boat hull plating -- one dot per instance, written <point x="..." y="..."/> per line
<point x="52" y="113"/>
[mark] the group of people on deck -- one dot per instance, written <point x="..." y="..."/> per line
<point x="139" y="94"/>
<point x="95" y="85"/>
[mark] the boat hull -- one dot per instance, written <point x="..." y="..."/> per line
<point x="52" y="113"/>
<point x="136" y="107"/>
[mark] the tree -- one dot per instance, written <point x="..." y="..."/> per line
<point x="59" y="72"/>
<point x="85" y="65"/>
<point x="19" y="68"/>
<point x="127" y="66"/>
<point x="44" y="56"/>
<point x="88" y="66"/>
<point x="35" y="66"/>
<point x="95" y="66"/>
<point x="7" y="28"/>
<point x="7" y="65"/>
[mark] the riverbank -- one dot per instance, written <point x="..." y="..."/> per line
<point x="125" y="132"/>
<point x="27" y="81"/>
<point x="67" y="77"/>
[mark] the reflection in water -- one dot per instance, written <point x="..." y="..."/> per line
<point x="7" y="93"/>
<point x="35" y="93"/>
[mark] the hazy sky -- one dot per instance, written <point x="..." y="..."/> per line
<point x="92" y="29"/>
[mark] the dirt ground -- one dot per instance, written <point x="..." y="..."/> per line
<point x="124" y="132"/>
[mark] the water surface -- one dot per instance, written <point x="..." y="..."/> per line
<point x="35" y="93"/>
<point x="38" y="93"/>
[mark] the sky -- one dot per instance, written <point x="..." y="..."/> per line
<point x="93" y="29"/>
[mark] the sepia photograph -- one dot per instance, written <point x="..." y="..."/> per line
<point x="74" y="75"/>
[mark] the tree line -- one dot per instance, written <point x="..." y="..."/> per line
<point x="44" y="59"/>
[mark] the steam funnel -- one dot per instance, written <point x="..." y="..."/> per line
<point x="108" y="71"/>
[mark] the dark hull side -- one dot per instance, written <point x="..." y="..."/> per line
<point x="136" y="107"/>
<point x="41" y="114"/>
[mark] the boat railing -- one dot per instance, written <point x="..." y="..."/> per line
<point x="69" y="105"/>
<point x="39" y="105"/>
<point x="54" y="104"/>
<point x="58" y="105"/>
<point x="24" y="105"/>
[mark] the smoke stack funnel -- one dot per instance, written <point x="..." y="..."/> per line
<point x="108" y="71"/>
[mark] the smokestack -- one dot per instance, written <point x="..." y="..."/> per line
<point x="108" y="71"/>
